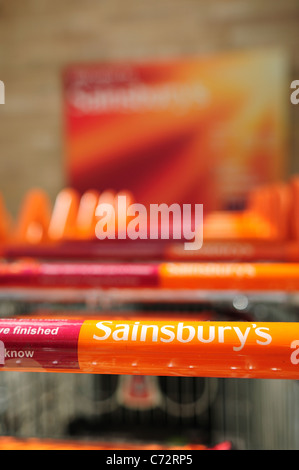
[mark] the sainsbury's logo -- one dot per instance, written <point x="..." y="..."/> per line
<point x="2" y="93"/>
<point x="182" y="333"/>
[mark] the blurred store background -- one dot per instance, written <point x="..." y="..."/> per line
<point x="39" y="38"/>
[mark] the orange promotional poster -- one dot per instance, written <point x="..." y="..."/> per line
<point x="196" y="130"/>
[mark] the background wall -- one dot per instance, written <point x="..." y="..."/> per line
<point x="38" y="37"/>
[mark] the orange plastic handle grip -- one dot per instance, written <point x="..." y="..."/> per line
<point x="184" y="348"/>
<point x="171" y="347"/>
